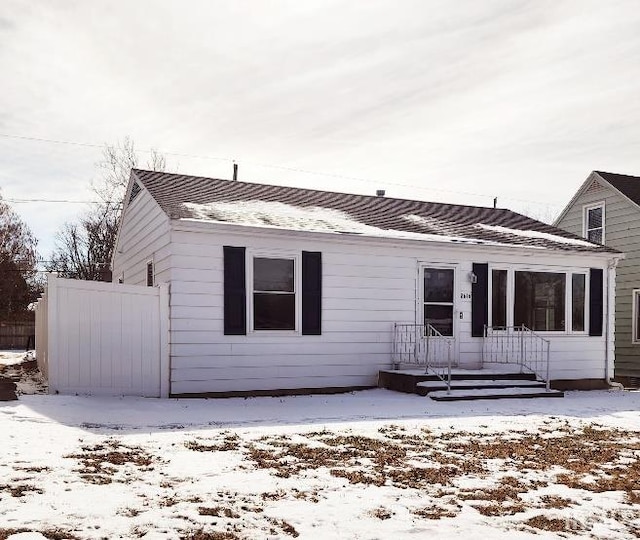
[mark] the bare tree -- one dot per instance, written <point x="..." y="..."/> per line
<point x="18" y="287"/>
<point x="84" y="249"/>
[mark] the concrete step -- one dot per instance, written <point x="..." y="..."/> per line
<point x="407" y="380"/>
<point x="493" y="393"/>
<point x="423" y="388"/>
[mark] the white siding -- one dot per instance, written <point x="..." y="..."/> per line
<point x="144" y="236"/>
<point x="367" y="286"/>
<point x="622" y="232"/>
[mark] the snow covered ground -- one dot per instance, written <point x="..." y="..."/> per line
<point x="10" y="358"/>
<point x="372" y="464"/>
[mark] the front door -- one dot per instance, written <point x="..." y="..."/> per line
<point x="438" y="299"/>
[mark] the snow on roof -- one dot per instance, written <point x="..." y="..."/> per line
<point x="537" y="234"/>
<point x="184" y="197"/>
<point x="312" y="219"/>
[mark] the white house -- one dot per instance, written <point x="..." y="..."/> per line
<point x="285" y="289"/>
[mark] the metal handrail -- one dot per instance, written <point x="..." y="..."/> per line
<point x="423" y="344"/>
<point x="518" y="345"/>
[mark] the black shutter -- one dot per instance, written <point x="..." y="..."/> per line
<point x="595" y="302"/>
<point x="311" y="293"/>
<point x="480" y="299"/>
<point x="235" y="294"/>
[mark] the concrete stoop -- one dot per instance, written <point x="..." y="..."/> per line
<point x="469" y="385"/>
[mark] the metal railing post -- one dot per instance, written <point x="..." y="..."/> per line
<point x="426" y="360"/>
<point x="521" y="348"/>
<point x="449" y="368"/>
<point x="548" y="362"/>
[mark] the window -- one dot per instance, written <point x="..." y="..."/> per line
<point x="594" y="223"/>
<point x="135" y="189"/>
<point x="577" y="302"/>
<point x="499" y="298"/>
<point x="150" y="276"/>
<point x="438" y="299"/>
<point x="274" y="293"/>
<point x="636" y="316"/>
<point x="540" y="300"/>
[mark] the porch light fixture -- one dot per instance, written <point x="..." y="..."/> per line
<point x="472" y="277"/>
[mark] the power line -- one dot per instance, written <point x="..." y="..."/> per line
<point x="264" y="165"/>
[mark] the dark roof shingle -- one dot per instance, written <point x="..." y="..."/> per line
<point x="626" y="184"/>
<point x="188" y="197"/>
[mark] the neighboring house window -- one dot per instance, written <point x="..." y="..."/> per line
<point x="274" y="293"/>
<point x="636" y="316"/>
<point x="540" y="301"/>
<point x="150" y="276"/>
<point x="499" y="298"/>
<point x="135" y="189"/>
<point x="594" y="223"/>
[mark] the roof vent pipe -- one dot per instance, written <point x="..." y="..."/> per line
<point x="380" y="193"/>
<point x="235" y="172"/>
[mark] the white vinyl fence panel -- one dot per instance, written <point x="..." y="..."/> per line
<point x="103" y="338"/>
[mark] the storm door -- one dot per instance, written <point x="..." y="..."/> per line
<point x="438" y="294"/>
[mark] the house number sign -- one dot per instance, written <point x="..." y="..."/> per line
<point x="465" y="296"/>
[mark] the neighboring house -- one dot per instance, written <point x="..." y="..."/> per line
<point x="606" y="209"/>
<point x="280" y="288"/>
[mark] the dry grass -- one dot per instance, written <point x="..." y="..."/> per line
<point x="100" y="463"/>
<point x="436" y="512"/>
<point x="49" y="534"/>
<point x="553" y="501"/>
<point x="20" y="490"/>
<point x="218" y="511"/>
<point x="201" y="534"/>
<point x="545" y="523"/>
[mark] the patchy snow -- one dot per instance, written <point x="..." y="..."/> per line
<point x="538" y="235"/>
<point x="10" y="358"/>
<point x="277" y="214"/>
<point x="312" y="219"/>
<point x="21" y="368"/>
<point x="371" y="464"/>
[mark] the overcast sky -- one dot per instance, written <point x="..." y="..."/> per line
<point x="436" y="100"/>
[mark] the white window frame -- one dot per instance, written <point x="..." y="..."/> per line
<point x="569" y="301"/>
<point x="510" y="294"/>
<point x="568" y="312"/>
<point x="297" y="286"/>
<point x="634" y="314"/>
<point x="585" y="219"/>
<point x="456" y="293"/>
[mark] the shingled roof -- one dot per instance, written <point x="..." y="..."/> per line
<point x="185" y="197"/>
<point x="625" y="184"/>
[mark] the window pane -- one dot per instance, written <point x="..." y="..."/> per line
<point x="539" y="300"/>
<point x="274" y="311"/>
<point x="438" y="285"/>
<point x="273" y="275"/>
<point x="499" y="298"/>
<point x="594" y="218"/>
<point x="577" y="302"/>
<point x="595" y="236"/>
<point x="440" y="317"/>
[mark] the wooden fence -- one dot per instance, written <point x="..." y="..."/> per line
<point x="103" y="338"/>
<point x="15" y="335"/>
